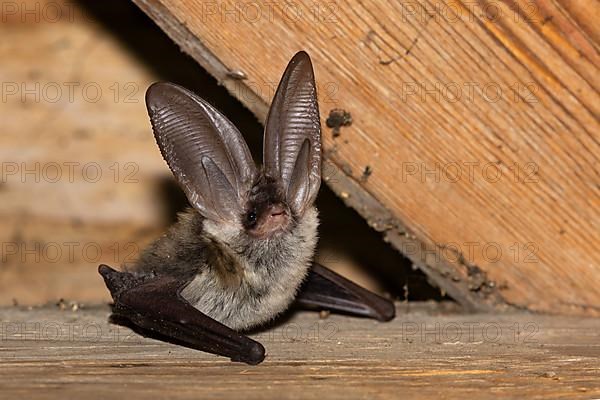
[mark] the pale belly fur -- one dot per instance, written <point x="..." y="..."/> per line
<point x="265" y="281"/>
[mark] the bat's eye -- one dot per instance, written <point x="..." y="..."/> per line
<point x="251" y="218"/>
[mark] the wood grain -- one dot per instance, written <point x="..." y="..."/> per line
<point x="478" y="120"/>
<point x="56" y="229"/>
<point x="425" y="353"/>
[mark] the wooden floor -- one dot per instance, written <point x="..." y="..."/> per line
<point x="427" y="352"/>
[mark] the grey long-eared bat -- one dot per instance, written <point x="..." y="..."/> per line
<point x="243" y="253"/>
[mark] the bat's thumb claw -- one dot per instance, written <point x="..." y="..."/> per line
<point x="105" y="270"/>
<point x="116" y="281"/>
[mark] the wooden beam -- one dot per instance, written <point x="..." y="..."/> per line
<point x="478" y="123"/>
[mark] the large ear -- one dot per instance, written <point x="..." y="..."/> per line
<point x="204" y="150"/>
<point x="292" y="145"/>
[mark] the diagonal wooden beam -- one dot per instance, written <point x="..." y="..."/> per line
<point x="477" y="120"/>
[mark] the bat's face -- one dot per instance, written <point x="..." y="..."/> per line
<point x="214" y="167"/>
<point x="267" y="214"/>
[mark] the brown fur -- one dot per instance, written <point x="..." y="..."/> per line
<point x="235" y="277"/>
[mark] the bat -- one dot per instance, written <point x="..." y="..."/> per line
<point x="243" y="252"/>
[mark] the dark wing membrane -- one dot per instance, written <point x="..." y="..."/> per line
<point x="325" y="289"/>
<point x="292" y="146"/>
<point x="155" y="307"/>
<point x="204" y="150"/>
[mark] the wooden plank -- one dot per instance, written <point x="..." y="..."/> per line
<point x="79" y="175"/>
<point x="478" y="120"/>
<point x="60" y="220"/>
<point x="425" y="353"/>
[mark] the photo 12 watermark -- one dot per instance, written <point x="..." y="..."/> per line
<point x="320" y="331"/>
<point x="249" y="91"/>
<point x="70" y="92"/>
<point x="27" y="12"/>
<point x="468" y="92"/>
<point x="467" y="11"/>
<point x="255" y="12"/>
<point x="464" y="252"/>
<point x="467" y="171"/>
<point x="64" y="252"/>
<point x="60" y="331"/>
<point x="469" y="332"/>
<point x="68" y="172"/>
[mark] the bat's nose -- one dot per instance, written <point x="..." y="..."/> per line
<point x="277" y="209"/>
